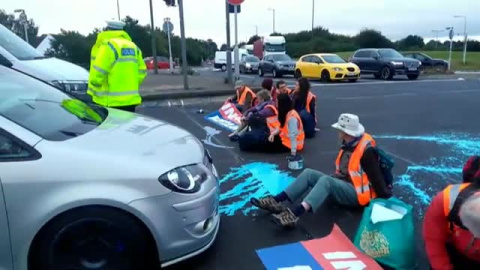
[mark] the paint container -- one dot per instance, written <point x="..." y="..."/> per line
<point x="296" y="164"/>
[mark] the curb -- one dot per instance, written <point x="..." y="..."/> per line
<point x="191" y="93"/>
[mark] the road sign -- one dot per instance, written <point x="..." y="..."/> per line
<point x="232" y="8"/>
<point x="451" y="34"/>
<point x="167" y="26"/>
<point x="235" y="2"/>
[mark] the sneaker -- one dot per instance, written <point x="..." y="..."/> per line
<point x="286" y="218"/>
<point x="269" y="204"/>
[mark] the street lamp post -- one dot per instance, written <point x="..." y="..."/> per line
<point x="118" y="9"/>
<point x="450" y="29"/>
<point x="313" y="15"/>
<point x="272" y="9"/>
<point x="24" y="20"/>
<point x="466" y="37"/>
<point x="256" y="30"/>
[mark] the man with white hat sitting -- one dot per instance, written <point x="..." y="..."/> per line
<point x="117" y="69"/>
<point x="357" y="178"/>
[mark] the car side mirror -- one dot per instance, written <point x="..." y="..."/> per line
<point x="5" y="62"/>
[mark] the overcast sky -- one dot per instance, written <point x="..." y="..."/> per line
<point x="206" y="18"/>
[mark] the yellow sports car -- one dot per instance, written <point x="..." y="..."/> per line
<point x="327" y="67"/>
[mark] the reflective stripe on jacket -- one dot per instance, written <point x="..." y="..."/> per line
<point x="359" y="178"/>
<point x="116" y="74"/>
<point x="272" y="121"/>
<point x="284" y="132"/>
<point x="242" y="98"/>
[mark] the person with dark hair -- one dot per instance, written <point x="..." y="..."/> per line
<point x="451" y="228"/>
<point x="305" y="103"/>
<point x="281" y="88"/>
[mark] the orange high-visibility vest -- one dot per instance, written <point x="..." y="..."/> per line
<point x="310" y="98"/>
<point x="284" y="131"/>
<point x="359" y="178"/>
<point x="450" y="194"/>
<point x="242" y="98"/>
<point x="272" y="121"/>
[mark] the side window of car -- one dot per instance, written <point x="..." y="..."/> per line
<point x="317" y="60"/>
<point x="374" y="54"/>
<point x="12" y="149"/>
<point x="362" y="54"/>
<point x="420" y="57"/>
<point x="306" y="59"/>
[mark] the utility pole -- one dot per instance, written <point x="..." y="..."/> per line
<point x="451" y="47"/>
<point x="237" y="64"/>
<point x="256" y="30"/>
<point x="313" y="15"/>
<point x="24" y="20"/>
<point x="229" y="51"/>
<point x="118" y="9"/>
<point x="169" y="31"/>
<point x="183" y="45"/>
<point x="154" y="40"/>
<point x="272" y="9"/>
<point x="466" y="37"/>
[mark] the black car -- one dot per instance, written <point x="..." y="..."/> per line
<point x="429" y="62"/>
<point x="386" y="63"/>
<point x="277" y="64"/>
<point x="249" y="63"/>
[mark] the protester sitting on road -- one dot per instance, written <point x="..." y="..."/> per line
<point x="281" y="88"/>
<point x="451" y="228"/>
<point x="244" y="98"/>
<point x="259" y="112"/>
<point x="304" y="102"/>
<point x="357" y="179"/>
<point x="470" y="168"/>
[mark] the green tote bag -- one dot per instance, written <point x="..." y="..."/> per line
<point x="387" y="233"/>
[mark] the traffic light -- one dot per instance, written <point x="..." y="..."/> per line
<point x="170" y="3"/>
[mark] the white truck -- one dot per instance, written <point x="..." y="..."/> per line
<point x="269" y="45"/>
<point x="220" y="61"/>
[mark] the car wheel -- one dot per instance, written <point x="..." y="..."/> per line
<point x="224" y="68"/>
<point x="413" y="77"/>
<point x="242" y="70"/>
<point x="298" y="74"/>
<point x="441" y="68"/>
<point x="260" y="72"/>
<point x="274" y="73"/>
<point x="386" y="73"/>
<point x="94" y="238"/>
<point x="325" y="76"/>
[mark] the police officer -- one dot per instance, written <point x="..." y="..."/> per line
<point x="117" y="69"/>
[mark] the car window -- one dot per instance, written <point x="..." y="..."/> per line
<point x="45" y="110"/>
<point x="281" y="57"/>
<point x="389" y="53"/>
<point x="316" y="59"/>
<point x="306" y="59"/>
<point x="362" y="54"/>
<point x="252" y="59"/>
<point x="334" y="59"/>
<point x="420" y="57"/>
<point x="17" y="46"/>
<point x="410" y="55"/>
<point x="374" y="54"/>
<point x="11" y="149"/>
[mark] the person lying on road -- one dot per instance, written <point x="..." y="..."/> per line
<point x="357" y="179"/>
<point x="451" y="228"/>
<point x="259" y="112"/>
<point x="305" y="102"/>
<point x="244" y="97"/>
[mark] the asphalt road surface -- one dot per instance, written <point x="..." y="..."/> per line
<point x="430" y="127"/>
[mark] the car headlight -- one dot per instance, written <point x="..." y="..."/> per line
<point x="248" y="65"/>
<point x="397" y="63"/>
<point x="71" y="86"/>
<point x="337" y="69"/>
<point x="186" y="179"/>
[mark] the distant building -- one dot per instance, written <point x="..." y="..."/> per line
<point x="45" y="43"/>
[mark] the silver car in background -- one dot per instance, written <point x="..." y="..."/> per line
<point x="85" y="187"/>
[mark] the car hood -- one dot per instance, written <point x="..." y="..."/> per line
<point x="52" y="69"/>
<point x="342" y="65"/>
<point x="127" y="138"/>
<point x="404" y="59"/>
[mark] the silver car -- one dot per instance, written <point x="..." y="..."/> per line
<point x="84" y="187"/>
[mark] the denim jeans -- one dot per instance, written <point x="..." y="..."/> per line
<point x="322" y="187"/>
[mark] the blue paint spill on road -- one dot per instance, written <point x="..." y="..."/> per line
<point x="252" y="180"/>
<point x="457" y="148"/>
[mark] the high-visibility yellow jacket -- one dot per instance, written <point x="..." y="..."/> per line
<point x="116" y="72"/>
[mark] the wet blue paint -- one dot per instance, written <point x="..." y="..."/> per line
<point x="253" y="180"/>
<point x="458" y="148"/>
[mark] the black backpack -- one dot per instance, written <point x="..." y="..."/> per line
<point x="386" y="165"/>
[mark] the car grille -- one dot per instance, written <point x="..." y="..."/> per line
<point x="338" y="76"/>
<point x="351" y="69"/>
<point x="410" y="65"/>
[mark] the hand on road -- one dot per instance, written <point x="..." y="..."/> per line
<point x="271" y="138"/>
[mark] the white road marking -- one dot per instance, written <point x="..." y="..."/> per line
<point x="377" y="96"/>
<point x="387" y="82"/>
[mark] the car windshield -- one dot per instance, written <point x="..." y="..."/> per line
<point x="17" y="46"/>
<point x="45" y="110"/>
<point x="333" y="59"/>
<point x="253" y="59"/>
<point x="281" y="57"/>
<point x="389" y="53"/>
<point x="274" y="47"/>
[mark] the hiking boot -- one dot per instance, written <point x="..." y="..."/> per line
<point x="268" y="203"/>
<point x="286" y="218"/>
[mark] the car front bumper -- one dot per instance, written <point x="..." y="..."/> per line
<point x="251" y="68"/>
<point x="344" y="75"/>
<point x="407" y="71"/>
<point x="183" y="225"/>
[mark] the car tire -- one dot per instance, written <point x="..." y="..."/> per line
<point x="224" y="68"/>
<point x="325" y="76"/>
<point x="275" y="73"/>
<point x="94" y="238"/>
<point x="441" y="68"/>
<point x="386" y="73"/>
<point x="298" y="74"/>
<point x="260" y="72"/>
<point x="413" y="76"/>
<point x="242" y="70"/>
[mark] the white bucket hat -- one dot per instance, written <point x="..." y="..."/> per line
<point x="350" y="124"/>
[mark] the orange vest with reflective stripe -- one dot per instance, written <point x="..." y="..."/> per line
<point x="310" y="98"/>
<point x="272" y="121"/>
<point x="284" y="131"/>
<point x="242" y="98"/>
<point x="450" y="194"/>
<point x="359" y="178"/>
